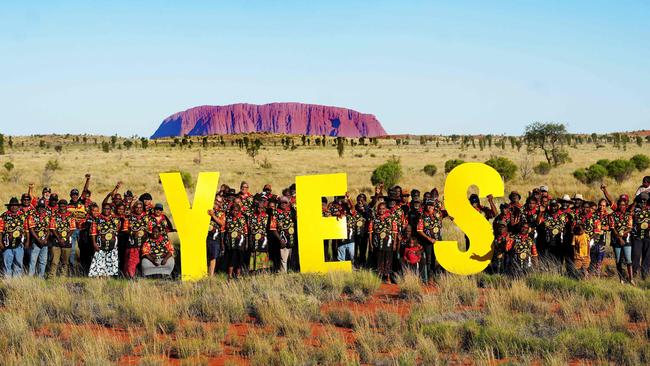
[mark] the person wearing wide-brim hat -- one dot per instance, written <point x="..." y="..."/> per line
<point x="14" y="236"/>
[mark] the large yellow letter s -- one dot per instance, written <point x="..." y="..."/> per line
<point x="474" y="225"/>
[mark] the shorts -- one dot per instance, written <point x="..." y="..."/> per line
<point x="581" y="263"/>
<point x="214" y="249"/>
<point x="235" y="258"/>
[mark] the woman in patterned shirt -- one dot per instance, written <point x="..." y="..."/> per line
<point x="620" y="226"/>
<point x="214" y="241"/>
<point x="522" y="250"/>
<point x="103" y="235"/>
<point x="157" y="255"/>
<point x="382" y="235"/>
<point x="259" y="224"/>
<point x="137" y="227"/>
<point x="236" y="235"/>
<point x="285" y="233"/>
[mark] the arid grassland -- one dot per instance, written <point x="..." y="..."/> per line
<point x="297" y="319"/>
<point x="334" y="319"/>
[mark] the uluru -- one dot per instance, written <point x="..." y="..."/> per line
<point x="282" y="118"/>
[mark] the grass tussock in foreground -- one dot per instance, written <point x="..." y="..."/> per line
<point x="333" y="319"/>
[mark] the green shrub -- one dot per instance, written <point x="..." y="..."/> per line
<point x="388" y="173"/>
<point x="430" y="170"/>
<point x="641" y="162"/>
<point x="451" y="164"/>
<point x="620" y="169"/>
<point x="542" y="168"/>
<point x="506" y="168"/>
<point x="9" y="166"/>
<point x="603" y="162"/>
<point x="52" y="165"/>
<point x="595" y="173"/>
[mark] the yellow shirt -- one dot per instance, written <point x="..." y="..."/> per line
<point x="581" y="245"/>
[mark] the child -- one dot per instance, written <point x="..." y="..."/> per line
<point x="581" y="257"/>
<point x="412" y="252"/>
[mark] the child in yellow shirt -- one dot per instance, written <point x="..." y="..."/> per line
<point x="581" y="258"/>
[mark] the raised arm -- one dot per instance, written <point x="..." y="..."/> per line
<point x="112" y="193"/>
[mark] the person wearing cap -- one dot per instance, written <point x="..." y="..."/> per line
<point x="429" y="230"/>
<point x="157" y="255"/>
<point x="45" y="195"/>
<point x="39" y="230"/>
<point x="613" y="203"/>
<point x="544" y="191"/>
<point x="214" y="240"/>
<point x="14" y="229"/>
<point x="620" y="226"/>
<point x="552" y="223"/>
<point x="236" y="240"/>
<point x="103" y="235"/>
<point x="502" y="240"/>
<point x="78" y="211"/>
<point x="382" y="235"/>
<point x="62" y="226"/>
<point x="158" y="218"/>
<point x="137" y="227"/>
<point x="521" y="250"/>
<point x="259" y="225"/>
<point x="128" y="202"/>
<point x="285" y="234"/>
<point x="26" y="204"/>
<point x="641" y="236"/>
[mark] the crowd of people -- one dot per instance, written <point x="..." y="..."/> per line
<point x="388" y="232"/>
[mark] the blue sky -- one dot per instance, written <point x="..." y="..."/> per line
<point x="421" y="67"/>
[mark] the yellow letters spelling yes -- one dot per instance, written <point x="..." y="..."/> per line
<point x="192" y="222"/>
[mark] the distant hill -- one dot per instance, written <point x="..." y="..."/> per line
<point x="284" y="118"/>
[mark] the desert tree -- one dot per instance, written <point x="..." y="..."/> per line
<point x="550" y="137"/>
<point x="2" y="144"/>
<point x="340" y="146"/>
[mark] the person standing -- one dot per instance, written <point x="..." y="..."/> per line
<point x="551" y="223"/>
<point x="286" y="233"/>
<point x="620" y="225"/>
<point x="62" y="226"/>
<point x="236" y="235"/>
<point x="502" y="240"/>
<point x="259" y="225"/>
<point x="641" y="236"/>
<point x="103" y="235"/>
<point x="14" y="231"/>
<point x="214" y="241"/>
<point x="429" y="229"/>
<point x="137" y="227"/>
<point x="39" y="230"/>
<point x="382" y="235"/>
<point x="581" y="256"/>
<point x="522" y="250"/>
